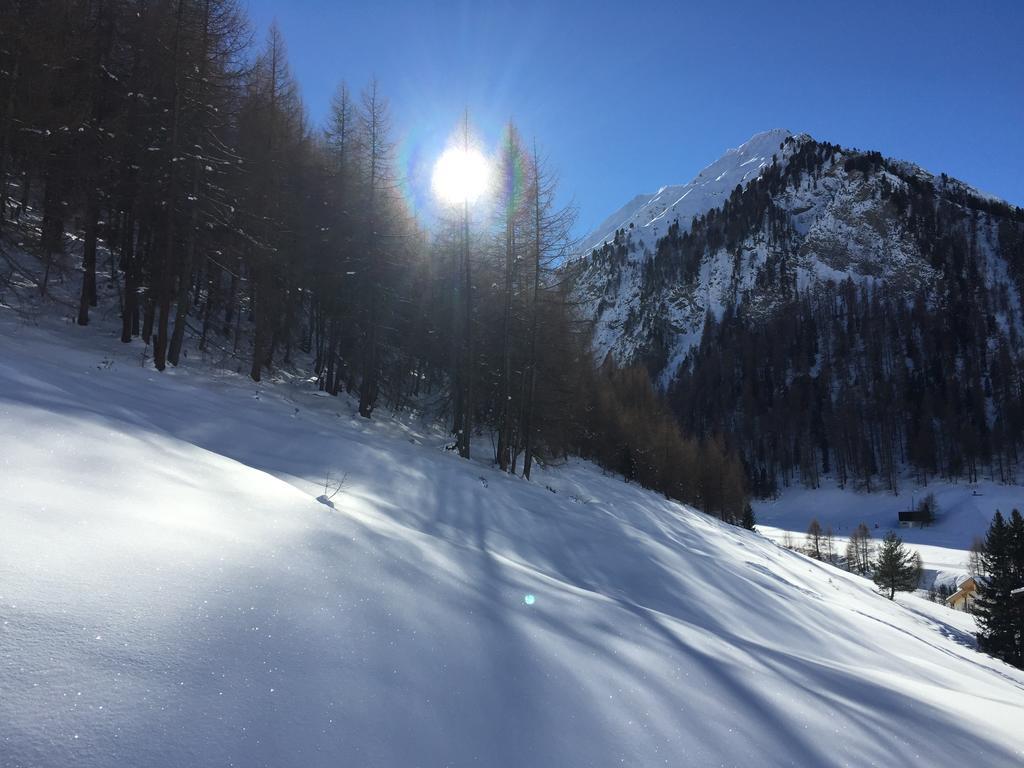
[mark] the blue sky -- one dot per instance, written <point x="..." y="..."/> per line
<point x="626" y="97"/>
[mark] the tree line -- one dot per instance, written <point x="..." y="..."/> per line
<point x="152" y="152"/>
<point x="858" y="382"/>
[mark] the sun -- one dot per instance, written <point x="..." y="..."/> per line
<point x="460" y="175"/>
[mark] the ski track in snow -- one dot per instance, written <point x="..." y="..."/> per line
<point x="172" y="594"/>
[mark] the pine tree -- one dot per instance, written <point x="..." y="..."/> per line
<point x="999" y="615"/>
<point x="748" y="520"/>
<point x="897" y="568"/>
<point x="1017" y="600"/>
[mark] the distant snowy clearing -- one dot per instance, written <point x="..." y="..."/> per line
<point x="965" y="512"/>
<point x="173" y="594"/>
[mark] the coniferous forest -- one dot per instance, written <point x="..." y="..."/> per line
<point x="156" y="155"/>
<point x="859" y="383"/>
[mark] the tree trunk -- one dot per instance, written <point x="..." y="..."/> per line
<point x="505" y="434"/>
<point x="93" y="176"/>
<point x="88" y="296"/>
<point x="532" y="395"/>
<point x="130" y="313"/>
<point x="258" y="340"/>
<point x="188" y="257"/>
<point x="148" y="318"/>
<point x="166" y="273"/>
<point x="368" y="385"/>
<point x="52" y="228"/>
<point x="466" y="422"/>
<point x="213" y="299"/>
<point x="5" y="128"/>
<point x="229" y="305"/>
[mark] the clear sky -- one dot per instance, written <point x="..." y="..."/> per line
<point x="625" y="97"/>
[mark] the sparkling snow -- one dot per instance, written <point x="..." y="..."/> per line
<point x="172" y="594"/>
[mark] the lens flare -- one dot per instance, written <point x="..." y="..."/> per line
<point x="511" y="172"/>
<point x="415" y="169"/>
<point x="529" y="599"/>
<point x="460" y="175"/>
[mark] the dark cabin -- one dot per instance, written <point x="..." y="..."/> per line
<point x="913" y="517"/>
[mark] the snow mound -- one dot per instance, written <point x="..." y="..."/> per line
<point x="172" y="594"/>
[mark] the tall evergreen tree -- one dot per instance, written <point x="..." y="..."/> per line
<point x="897" y="568"/>
<point x="999" y="615"/>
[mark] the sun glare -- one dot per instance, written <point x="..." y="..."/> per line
<point x="460" y="175"/>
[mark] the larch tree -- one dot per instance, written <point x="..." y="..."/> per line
<point x="333" y="307"/>
<point x="511" y="213"/>
<point x="550" y="240"/>
<point x="859" y="556"/>
<point x="218" y="36"/>
<point x="815" y="534"/>
<point x="374" y="241"/>
<point x="272" y="137"/>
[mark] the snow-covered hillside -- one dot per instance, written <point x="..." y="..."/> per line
<point x="650" y="215"/>
<point x="172" y="594"/>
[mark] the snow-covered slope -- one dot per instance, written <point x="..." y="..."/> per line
<point x="172" y="594"/>
<point x="650" y="215"/>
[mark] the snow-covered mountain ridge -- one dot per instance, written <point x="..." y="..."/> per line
<point x="651" y="215"/>
<point x="833" y="215"/>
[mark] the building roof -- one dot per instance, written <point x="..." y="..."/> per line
<point x="962" y="579"/>
<point x="967" y="587"/>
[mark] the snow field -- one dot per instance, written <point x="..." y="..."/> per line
<point x="172" y="594"/>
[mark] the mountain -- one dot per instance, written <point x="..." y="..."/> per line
<point x="173" y="594"/>
<point x="651" y="215"/>
<point x="832" y="311"/>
